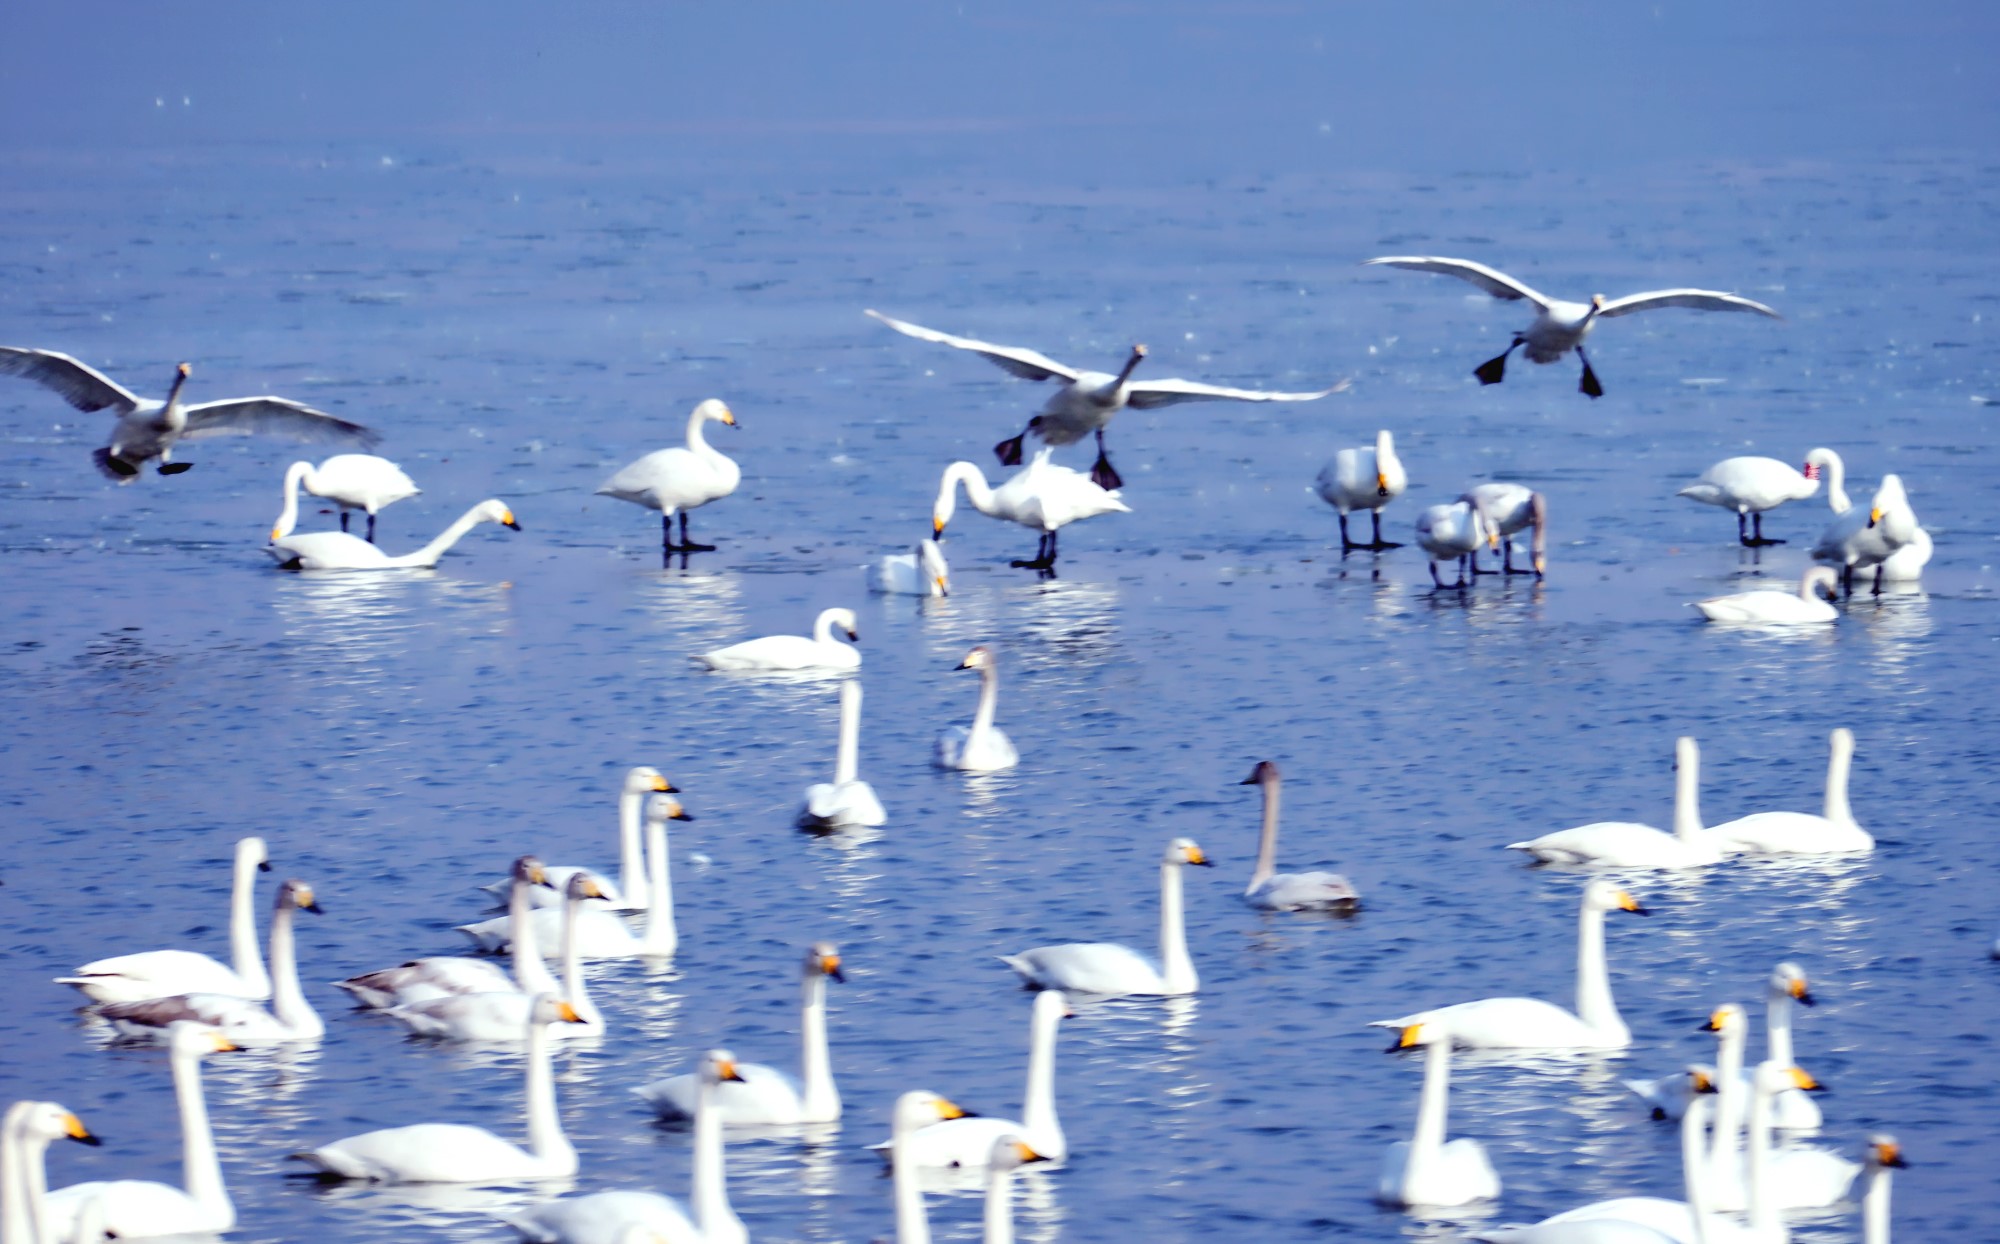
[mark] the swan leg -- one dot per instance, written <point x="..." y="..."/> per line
<point x="173" y="468"/>
<point x="1463" y="581"/>
<point x="343" y="518"/>
<point x="1435" y="581"/>
<point x="689" y="546"/>
<point x="1494" y="370"/>
<point x="371" y="526"/>
<point x="1101" y="471"/>
<point x="1345" y="543"/>
<point x="1378" y="543"/>
<point x="1045" y="554"/>
<point x="1009" y="450"/>
<point x="1588" y="385"/>
<point x="666" y="534"/>
<point x="1757" y="538"/>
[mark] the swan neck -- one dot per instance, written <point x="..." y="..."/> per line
<point x="20" y="1211"/>
<point x="911" y="1225"/>
<point x="244" y="953"/>
<point x="822" y="1100"/>
<point x="712" y="1211"/>
<point x="429" y="554"/>
<point x="201" y="1170"/>
<point x="631" y="859"/>
<point x="288" y="1000"/>
<point x="574" y="990"/>
<point x="989" y="701"/>
<point x="1836" y="808"/>
<point x="1429" y="1136"/>
<point x="1695" y="1188"/>
<point x="1725" y="1151"/>
<point x="662" y="935"/>
<point x="1125" y="373"/>
<point x="1763" y="1216"/>
<point x="531" y="973"/>
<point x="1038" y="1104"/>
<point x="846" y="760"/>
<point x="1778" y="1028"/>
<point x="1875" y="1207"/>
<point x="1267" y="845"/>
<point x="1593" y="983"/>
<point x="999" y="1218"/>
<point x="545" y="1135"/>
<point x="288" y="518"/>
<point x="974" y="481"/>
<point x="697" y="437"/>
<point x="172" y="411"/>
<point x="1836" y="485"/>
<point x="1687" y="804"/>
<point x="1176" y="969"/>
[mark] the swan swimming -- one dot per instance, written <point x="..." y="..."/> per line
<point x="1627" y="844"/>
<point x="1110" y="970"/>
<point x="919" y="573"/>
<point x="352" y="481"/>
<point x="1561" y="326"/>
<point x="148" y="428"/>
<point x="160" y="973"/>
<point x="1040" y="496"/>
<point x="968" y="1142"/>
<point x="629" y="894"/>
<point x="846" y="802"/>
<point x="914" y="1111"/>
<point x="1364" y="478"/>
<point x="1834" y="831"/>
<point x="28" y="1130"/>
<point x="445" y="976"/>
<point x="1427" y="1169"/>
<point x="1767" y="607"/>
<point x="1507" y="508"/>
<point x="981" y="747"/>
<point x="336" y="550"/>
<point x="1791" y="1110"/>
<point x="678" y="479"/>
<point x="1752" y="485"/>
<point x="793" y="652"/>
<point x="1272" y="890"/>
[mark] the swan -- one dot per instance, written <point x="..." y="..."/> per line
<point x="1530" y="1023"/>
<point x="136" y="1208"/>
<point x="1427" y="1169"/>
<point x="676" y="479"/>
<point x="353" y="481"/>
<point x="244" y="1021"/>
<point x="1806" y="606"/>
<point x="1906" y="564"/>
<point x="1041" y="496"/>
<point x="630" y="892"/>
<point x="1111" y="970"/>
<point x="454" y="1153"/>
<point x="1792" y="1109"/>
<point x="793" y="652"/>
<point x="1861" y="539"/>
<point x="1507" y="508"/>
<point x="1625" y="844"/>
<point x="1276" y="891"/>
<point x="149" y="429"/>
<point x="1361" y="478"/>
<point x="915" y="1110"/>
<point x="1009" y="1154"/>
<point x="1088" y="399"/>
<point x="765" y="1095"/>
<point x="969" y="1142"/>
<point x="599" y="933"/>
<point x="610" y="1217"/>
<point x="1833" y="832"/>
<point x="1751" y="485"/>
<point x="1560" y="326"/>
<point x="981" y="747"/>
<point x="1798" y="1177"/>
<point x="444" y="976"/>
<point x="847" y="800"/>
<point x="502" y="1015"/>
<point x="336" y="550"/>
<point x="1882" y="1156"/>
<point x="158" y="973"/>
<point x="1453" y="533"/>
<point x="920" y="573"/>
<point x="30" y="1127"/>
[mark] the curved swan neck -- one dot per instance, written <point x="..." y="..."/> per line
<point x="1593" y="983"/>
<point x="244" y="953"/>
<point x="822" y="1100"/>
<point x="545" y="1135"/>
<point x="662" y="936"/>
<point x="1038" y="1104"/>
<point x="999" y="1216"/>
<point x="989" y="701"/>
<point x="697" y="437"/>
<point x="288" y="1000"/>
<point x="846" y="760"/>
<point x="1687" y="797"/>
<point x="429" y="554"/>
<point x="1836" y="484"/>
<point x="1429" y="1136"/>
<point x="911" y="1225"/>
<point x="288" y="518"/>
<point x="1176" y="969"/>
<point x="201" y="1170"/>
<point x="531" y="972"/>
<point x="574" y="990"/>
<point x="712" y="1211"/>
<point x="631" y="858"/>
<point x="976" y="490"/>
<point x="1836" y="808"/>
<point x="1267" y="846"/>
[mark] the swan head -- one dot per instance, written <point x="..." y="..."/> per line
<point x="1687" y="753"/>
<point x="1884" y="1151"/>
<point x="931" y="559"/>
<point x="1185" y="851"/>
<point x="549" y="1009"/>
<point x="252" y="850"/>
<point x="1822" y="582"/>
<point x="978" y="659"/>
<point x="296" y="893"/>
<point x="1788" y="980"/>
<point x="1727" y="1018"/>
<point x="663" y="808"/>
<point x="1607" y="896"/>
<point x="185" y="1036"/>
<point x="845" y="620"/>
<point x="183" y="371"/>
<point x="52" y="1121"/>
<point x="497" y="512"/>
<point x="582" y="886"/>
<point x="1701" y="1078"/>
<point x="1265" y="774"/>
<point x="718" y="1066"/>
<point x="1842" y="741"/>
<point x="643" y="779"/>
<point x="1775" y="1077"/>
<point x="823" y="959"/>
<point x="921" y="1108"/>
<point x="1010" y="1153"/>
<point x="529" y="870"/>
<point x="1597" y="304"/>
<point x="715" y="410"/>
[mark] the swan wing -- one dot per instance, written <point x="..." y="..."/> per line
<point x="80" y="385"/>
<point x="420" y="980"/>
<point x="772" y="652"/>
<point x="467" y="1017"/>
<point x="421" y="1153"/>
<point x="273" y="416"/>
<point x="1315" y="891"/>
<point x="325" y="550"/>
<point x="1015" y="360"/>
<point x="1088" y="967"/>
<point x="1694" y="299"/>
<point x="605" y="1218"/>
<point x="157" y="974"/>
<point x="235" y="1016"/>
<point x="1492" y="280"/>
<point x="1506" y="1023"/>
<point x="131" y="1209"/>
<point x="1613" y="843"/>
<point x="1152" y="394"/>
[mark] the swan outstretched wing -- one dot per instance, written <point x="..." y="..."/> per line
<point x="81" y="386"/>
<point x="1494" y="282"/>
<point x="1016" y="360"/>
<point x="1696" y="299"/>
<point x="1146" y="395"/>
<point x="273" y="416"/>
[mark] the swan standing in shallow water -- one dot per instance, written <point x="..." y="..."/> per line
<point x="981" y="747"/>
<point x="1088" y="399"/>
<point x="915" y="1110"/>
<point x="1276" y="891"/>
<point x="1532" y="1024"/>
<point x="1627" y="844"/>
<point x="1507" y="508"/>
<point x="847" y="801"/>
<point x="352" y="481"/>
<point x="758" y="1094"/>
<point x="336" y="550"/>
<point x="1861" y="539"/>
<point x="27" y="1132"/>
<point x="1041" y="496"/>
<point x="244" y="1021"/>
<point x="149" y="429"/>
<point x="1833" y="832"/>
<point x="1752" y="485"/>
<point x="1561" y="326"/>
<point x="1426" y="1169"/>
<point x="158" y="973"/>
<point x="1453" y="533"/>
<point x="444" y="976"/>
<point x="969" y="1142"/>
<point x="1364" y="478"/>
<point x="1110" y="970"/>
<point x="454" y="1153"/>
<point x="919" y="573"/>
<point x="793" y="652"/>
<point x="676" y="479"/>
<point x="1765" y="606"/>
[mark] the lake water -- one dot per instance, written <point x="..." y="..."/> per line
<point x="520" y="326"/>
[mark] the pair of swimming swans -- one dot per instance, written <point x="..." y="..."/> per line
<point x="630" y="892"/>
<point x="351" y="481"/>
<point x="846" y="802"/>
<point x="969" y="1142"/>
<point x="337" y="550"/>
<point x="159" y="973"/>
<point x="793" y="652"/>
<point x="1041" y="496"/>
<point x="445" y="976"/>
<point x="1108" y="969"/>
<point x="1785" y="989"/>
<point x="981" y="747"/>
<point x="678" y="479"/>
<point x="917" y="1112"/>
<point x="1271" y="890"/>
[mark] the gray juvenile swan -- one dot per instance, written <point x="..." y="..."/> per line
<point x="1276" y="891"/>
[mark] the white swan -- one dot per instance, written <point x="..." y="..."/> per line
<point x="244" y="1021"/>
<point x="1363" y="478"/>
<point x="981" y="747"/>
<point x="1626" y="844"/>
<point x="158" y="973"/>
<point x="336" y="550"/>
<point x="1530" y="1023"/>
<point x="914" y="1111"/>
<point x="136" y="1208"/>
<point x="793" y="652"/>
<point x="454" y="1153"/>
<point x="25" y="1135"/>
<point x="444" y="976"/>
<point x="1752" y="485"/>
<point x="630" y="892"/>
<point x="149" y="429"/>
<point x="759" y="1094"/>
<point x="1041" y="496"/>
<point x="1111" y="970"/>
<point x="1797" y="1177"/>
<point x="1427" y="1169"/>
<point x="1561" y="326"/>
<point x="919" y="573"/>
<point x="968" y="1142"/>
<point x="1882" y="1156"/>
<point x="1861" y="539"/>
<point x="1833" y="832"/>
<point x="1276" y="891"/>
<point x="676" y="479"/>
<point x="613" y="1217"/>
<point x="1765" y="606"/>
<point x="599" y="933"/>
<point x="1453" y="533"/>
<point x="1791" y="1110"/>
<point x="1508" y="508"/>
<point x="1906" y="564"/>
<point x="1009" y="1154"/>
<point x="1088" y="399"/>
<point x="846" y="801"/>
<point x="352" y="481"/>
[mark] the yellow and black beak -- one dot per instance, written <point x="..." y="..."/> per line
<point x="184" y="371"/>
<point x="1406" y="1039"/>
<point x="74" y="1129"/>
<point x="223" y="1045"/>
<point x="679" y="813"/>
<point x="663" y="785"/>
<point x="1801" y="994"/>
<point x="937" y="526"/>
<point x="952" y="1110"/>
<point x="1199" y="858"/>
<point x="1627" y="903"/>
<point x="507" y="520"/>
<point x="567" y="1013"/>
<point x="1381" y="484"/>
<point x="729" y="417"/>
<point x="1804" y="1082"/>
<point x="1026" y="1154"/>
<point x="1887" y="1153"/>
<point x="728" y="1070"/>
<point x="829" y="965"/>
<point x="1874" y="516"/>
<point x="1714" y="1023"/>
<point x="1703" y="1082"/>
